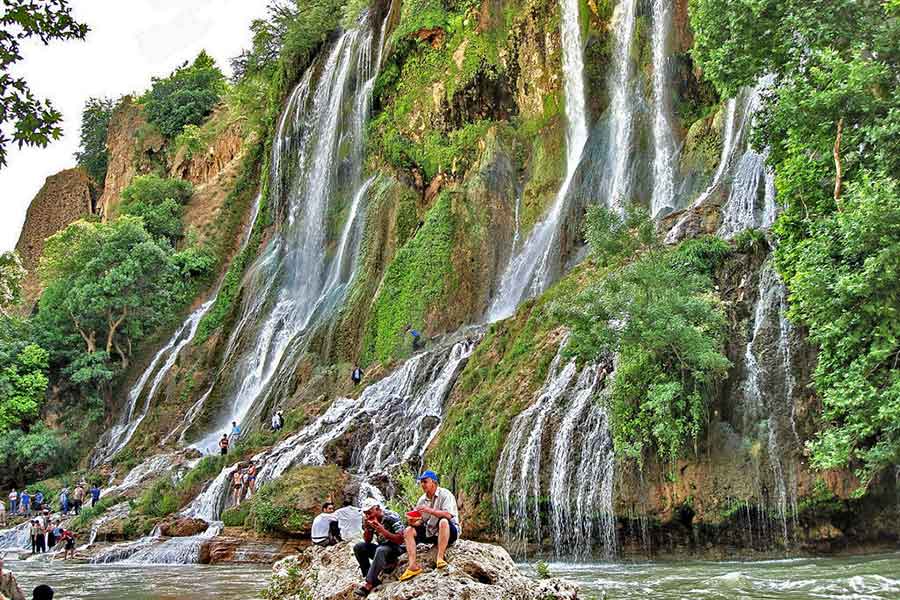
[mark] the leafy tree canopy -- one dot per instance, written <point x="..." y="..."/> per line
<point x="12" y="273"/>
<point x="186" y="97"/>
<point x="92" y="154"/>
<point x="23" y="375"/>
<point x="32" y="121"/>
<point x="832" y="123"/>
<point x="158" y="201"/>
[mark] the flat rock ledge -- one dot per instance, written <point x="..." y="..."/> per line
<point x="476" y="572"/>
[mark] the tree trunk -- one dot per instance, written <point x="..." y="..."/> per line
<point x="838" y="166"/>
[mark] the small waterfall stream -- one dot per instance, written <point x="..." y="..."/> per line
<point x="531" y="270"/>
<point x="569" y="425"/>
<point x="768" y="395"/>
<point x="621" y="109"/>
<point x="663" y="197"/>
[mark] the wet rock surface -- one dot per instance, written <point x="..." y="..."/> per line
<point x="476" y="572"/>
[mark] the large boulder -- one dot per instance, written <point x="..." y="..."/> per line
<point x="180" y="526"/>
<point x="476" y="572"/>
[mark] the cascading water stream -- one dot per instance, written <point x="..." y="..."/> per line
<point x="531" y="270"/>
<point x="768" y="393"/>
<point x="663" y="196"/>
<point x="582" y="472"/>
<point x="622" y="109"/>
<point x="297" y="282"/>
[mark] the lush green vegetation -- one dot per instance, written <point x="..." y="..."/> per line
<point x="186" y="97"/>
<point x="831" y="122"/>
<point x="34" y="121"/>
<point x="92" y="153"/>
<point x="12" y="273"/>
<point x="289" y="504"/>
<point x="157" y="201"/>
<point x="655" y="309"/>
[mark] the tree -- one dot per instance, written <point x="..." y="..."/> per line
<point x="92" y="154"/>
<point x="186" y="97"/>
<point x="12" y="273"/>
<point x="832" y="124"/>
<point x="23" y="382"/>
<point x="34" y="121"/>
<point x="109" y="283"/>
<point x="158" y="202"/>
<point x="654" y="309"/>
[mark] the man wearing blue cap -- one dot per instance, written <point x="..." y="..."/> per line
<point x="440" y="524"/>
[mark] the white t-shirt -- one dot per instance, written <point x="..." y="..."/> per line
<point x="321" y="525"/>
<point x="443" y="500"/>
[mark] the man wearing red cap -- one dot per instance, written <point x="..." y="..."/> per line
<point x="384" y="525"/>
<point x="440" y="523"/>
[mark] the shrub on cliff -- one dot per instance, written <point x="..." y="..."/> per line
<point x="186" y="97"/>
<point x="157" y="201"/>
<point x="655" y="309"/>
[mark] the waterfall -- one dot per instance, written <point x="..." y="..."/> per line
<point x="663" y="197"/>
<point x="743" y="165"/>
<point x="768" y="392"/>
<point x="622" y="108"/>
<point x="566" y="411"/>
<point x="531" y="270"/>
<point x="150" y="467"/>
<point x="297" y="281"/>
<point x="15" y="538"/>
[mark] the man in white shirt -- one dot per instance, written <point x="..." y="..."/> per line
<point x="439" y="523"/>
<point x="326" y="531"/>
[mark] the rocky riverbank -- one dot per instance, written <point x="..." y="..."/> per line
<point x="476" y="572"/>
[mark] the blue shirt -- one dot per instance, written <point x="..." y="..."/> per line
<point x="26" y="499"/>
<point x="95" y="493"/>
<point x="38" y="498"/>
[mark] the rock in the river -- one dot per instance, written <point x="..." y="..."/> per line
<point x="476" y="572"/>
<point x="183" y="527"/>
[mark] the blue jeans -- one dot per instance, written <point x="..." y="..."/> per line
<point x="12" y="506"/>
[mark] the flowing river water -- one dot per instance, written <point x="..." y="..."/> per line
<point x="873" y="577"/>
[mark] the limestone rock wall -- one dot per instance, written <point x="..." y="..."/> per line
<point x="64" y="198"/>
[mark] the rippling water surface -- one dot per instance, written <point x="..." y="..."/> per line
<point x="856" y="578"/>
<point x="852" y="578"/>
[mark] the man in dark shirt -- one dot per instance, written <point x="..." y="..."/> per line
<point x="386" y="528"/>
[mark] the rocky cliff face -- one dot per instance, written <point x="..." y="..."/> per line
<point x="63" y="199"/>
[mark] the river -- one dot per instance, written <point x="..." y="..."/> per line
<point x="873" y="577"/>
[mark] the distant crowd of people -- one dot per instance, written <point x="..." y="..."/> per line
<point x="27" y="503"/>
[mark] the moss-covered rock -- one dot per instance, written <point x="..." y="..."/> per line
<point x="288" y="505"/>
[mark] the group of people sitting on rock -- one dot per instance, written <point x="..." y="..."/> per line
<point x="434" y="521"/>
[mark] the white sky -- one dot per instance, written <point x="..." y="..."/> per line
<point x="129" y="41"/>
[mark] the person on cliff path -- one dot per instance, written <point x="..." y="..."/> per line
<point x="25" y="503"/>
<point x="95" y="495"/>
<point x="356" y="375"/>
<point x="235" y="431"/>
<point x="416" y="338"/>
<point x="78" y="498"/>
<point x="64" y="501"/>
<point x="13" y="501"/>
<point x="237" y="486"/>
<point x="384" y="526"/>
<point x="37" y="502"/>
<point x="440" y="523"/>
<point x="223" y="444"/>
<point x="277" y="421"/>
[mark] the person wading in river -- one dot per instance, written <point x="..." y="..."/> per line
<point x="385" y="526"/>
<point x="440" y="525"/>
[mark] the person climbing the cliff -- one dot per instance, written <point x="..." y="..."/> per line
<point x="64" y="501"/>
<point x="95" y="495"/>
<point x="356" y="375"/>
<point x="278" y="420"/>
<point x="326" y="530"/>
<point x="223" y="444"/>
<point x="78" y="498"/>
<point x="237" y="486"/>
<point x="386" y="528"/>
<point x="440" y="524"/>
<point x="416" y="337"/>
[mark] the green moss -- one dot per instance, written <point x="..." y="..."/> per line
<point x="288" y="504"/>
<point x="235" y="517"/>
<point x="418" y="278"/>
